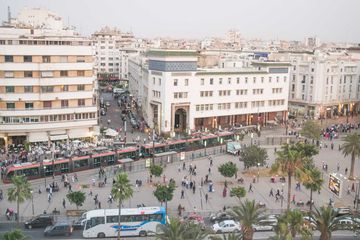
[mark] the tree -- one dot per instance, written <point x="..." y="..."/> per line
<point x="156" y="170"/>
<point x="177" y="230"/>
<point x="312" y="180"/>
<point x="16" y="234"/>
<point x="247" y="213"/>
<point x="228" y="169"/>
<point x="238" y="192"/>
<point x="121" y="190"/>
<point x="77" y="198"/>
<point x="351" y="147"/>
<point x="326" y="221"/>
<point x="311" y="129"/>
<point x="253" y="155"/>
<point x="290" y="159"/>
<point x="20" y="192"/>
<point x="164" y="193"/>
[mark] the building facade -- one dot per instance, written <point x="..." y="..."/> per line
<point x="182" y="97"/>
<point x="47" y="85"/>
<point x="111" y="50"/>
<point x="323" y="84"/>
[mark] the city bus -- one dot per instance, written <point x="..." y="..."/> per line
<point x="101" y="223"/>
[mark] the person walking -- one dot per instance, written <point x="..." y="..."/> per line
<point x="63" y="203"/>
<point x="250" y="188"/>
<point x="193" y="188"/>
<point x="206" y="197"/>
<point x="182" y="194"/>
<point x="99" y="205"/>
<point x="271" y="193"/>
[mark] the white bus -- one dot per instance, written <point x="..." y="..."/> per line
<point x="102" y="223"/>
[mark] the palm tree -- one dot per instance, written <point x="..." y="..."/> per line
<point x="177" y="230"/>
<point x="16" y="234"/>
<point x="289" y="159"/>
<point x="312" y="180"/>
<point x="351" y="146"/>
<point x="289" y="225"/>
<point x="247" y="213"/>
<point x="121" y="191"/>
<point x="326" y="221"/>
<point x="20" y="192"/>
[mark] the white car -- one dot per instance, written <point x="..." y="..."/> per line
<point x="265" y="225"/>
<point x="226" y="226"/>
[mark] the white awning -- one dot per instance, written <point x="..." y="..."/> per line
<point x="111" y="132"/>
<point x="79" y="133"/>
<point x="58" y="137"/>
<point x="38" y="137"/>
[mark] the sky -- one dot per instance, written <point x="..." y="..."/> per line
<point x="330" y="20"/>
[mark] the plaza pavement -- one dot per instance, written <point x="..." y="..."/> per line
<point x="192" y="202"/>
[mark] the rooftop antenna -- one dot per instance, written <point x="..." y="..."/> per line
<point x="9" y="14"/>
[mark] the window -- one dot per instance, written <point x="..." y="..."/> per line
<point x="47" y="89"/>
<point x="254" y="79"/>
<point x="81" y="73"/>
<point x="47" y="74"/>
<point x="81" y="87"/>
<point x="220" y="81"/>
<point x="9" y="58"/>
<point x="27" y="58"/>
<point x="10" y="89"/>
<point x="63" y="73"/>
<point x="28" y="74"/>
<point x="159" y="81"/>
<point x="64" y="103"/>
<point x="28" y="89"/>
<point x="65" y="88"/>
<point x="9" y="74"/>
<point x="262" y="79"/>
<point x="81" y="102"/>
<point x="202" y="82"/>
<point x="229" y="80"/>
<point x="80" y="59"/>
<point x="211" y="81"/>
<point x="29" y="105"/>
<point x="186" y="82"/>
<point x="246" y="80"/>
<point x="175" y="82"/>
<point x="47" y="104"/>
<point x="269" y="79"/>
<point x="238" y="80"/>
<point x="285" y="78"/>
<point x="63" y="59"/>
<point x="10" y="105"/>
<point x="46" y="59"/>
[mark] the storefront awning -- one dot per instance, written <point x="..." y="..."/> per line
<point x="58" y="137"/>
<point x="38" y="137"/>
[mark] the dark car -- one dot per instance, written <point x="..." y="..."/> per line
<point x="59" y="229"/>
<point x="40" y="221"/>
<point x="219" y="217"/>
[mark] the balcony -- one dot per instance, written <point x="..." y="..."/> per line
<point x="46" y="111"/>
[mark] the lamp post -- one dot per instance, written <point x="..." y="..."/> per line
<point x="32" y="201"/>
<point x="356" y="204"/>
<point x="282" y="194"/>
<point x="201" y="202"/>
<point x="205" y="143"/>
<point x="252" y="136"/>
<point x="258" y="173"/>
<point x="45" y="176"/>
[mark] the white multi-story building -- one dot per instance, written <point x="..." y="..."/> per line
<point x="111" y="49"/>
<point x="46" y="84"/>
<point x="322" y="84"/>
<point x="183" y="97"/>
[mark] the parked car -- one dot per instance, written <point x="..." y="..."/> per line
<point x="107" y="104"/>
<point x="59" y="229"/>
<point x="40" y="221"/>
<point x="226" y="226"/>
<point x="220" y="216"/>
<point x="102" y="112"/>
<point x="265" y="225"/>
<point x="342" y="211"/>
<point x="79" y="224"/>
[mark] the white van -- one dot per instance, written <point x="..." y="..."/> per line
<point x="118" y="90"/>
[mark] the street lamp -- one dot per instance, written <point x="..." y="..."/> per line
<point x="282" y="194"/>
<point x="258" y="173"/>
<point x="205" y="143"/>
<point x="201" y="202"/>
<point x="357" y="193"/>
<point x="45" y="176"/>
<point x="32" y="201"/>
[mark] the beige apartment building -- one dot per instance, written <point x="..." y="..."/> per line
<point x="47" y="86"/>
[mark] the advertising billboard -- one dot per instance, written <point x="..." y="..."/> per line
<point x="335" y="185"/>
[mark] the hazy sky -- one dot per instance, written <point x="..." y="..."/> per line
<point x="330" y="20"/>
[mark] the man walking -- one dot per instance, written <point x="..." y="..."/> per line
<point x="206" y="197"/>
<point x="250" y="188"/>
<point x="182" y="194"/>
<point x="271" y="193"/>
<point x="63" y="203"/>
